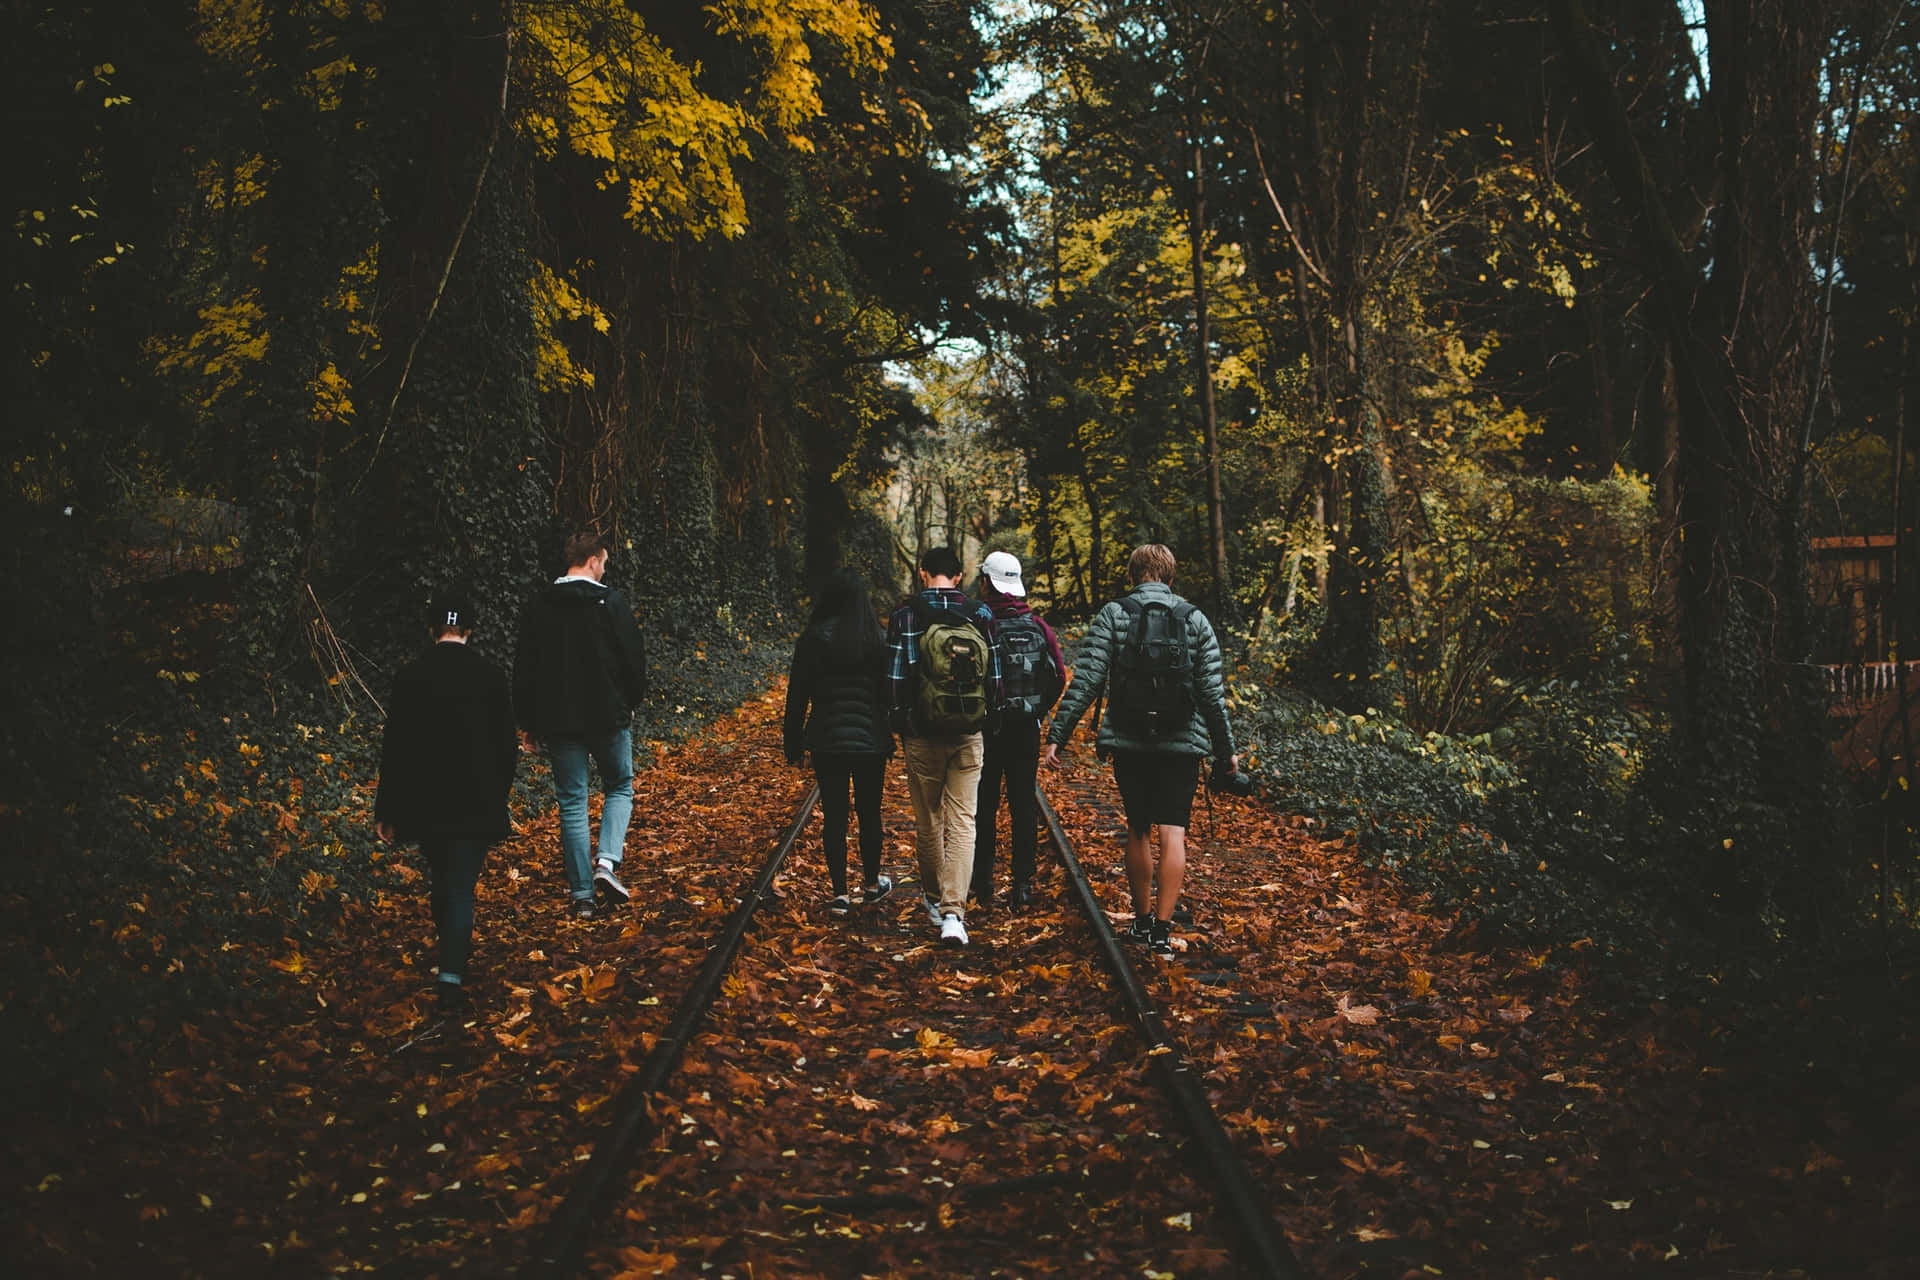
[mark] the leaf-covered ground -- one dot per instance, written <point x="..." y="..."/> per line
<point x="1411" y="1101"/>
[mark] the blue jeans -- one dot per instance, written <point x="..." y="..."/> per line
<point x="613" y="752"/>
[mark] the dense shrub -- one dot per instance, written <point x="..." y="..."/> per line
<point x="1528" y="826"/>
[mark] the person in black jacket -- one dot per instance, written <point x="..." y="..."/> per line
<point x="580" y="669"/>
<point x="446" y="765"/>
<point x="1032" y="674"/>
<point x="837" y="709"/>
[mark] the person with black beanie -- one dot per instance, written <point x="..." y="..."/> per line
<point x="446" y="765"/>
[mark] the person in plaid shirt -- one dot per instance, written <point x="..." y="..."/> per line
<point x="943" y="767"/>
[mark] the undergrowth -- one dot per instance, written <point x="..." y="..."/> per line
<point x="170" y="825"/>
<point x="1534" y="828"/>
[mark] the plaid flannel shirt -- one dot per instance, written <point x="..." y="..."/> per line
<point x="903" y="648"/>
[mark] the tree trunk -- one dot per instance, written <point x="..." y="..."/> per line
<point x="1095" y="538"/>
<point x="1741" y="342"/>
<point x="1220" y="603"/>
<point x="1349" y="642"/>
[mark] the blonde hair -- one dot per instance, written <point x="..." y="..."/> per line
<point x="1150" y="560"/>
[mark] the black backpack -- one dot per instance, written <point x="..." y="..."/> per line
<point x="1150" y="685"/>
<point x="1026" y="666"/>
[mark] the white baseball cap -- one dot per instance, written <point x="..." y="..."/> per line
<point x="1003" y="571"/>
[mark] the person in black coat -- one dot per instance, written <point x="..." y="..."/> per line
<point x="579" y="670"/>
<point x="837" y="709"/>
<point x="446" y="765"/>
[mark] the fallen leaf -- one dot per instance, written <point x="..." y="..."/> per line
<point x="1361" y="1015"/>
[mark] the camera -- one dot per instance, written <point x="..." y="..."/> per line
<point x="1227" y="780"/>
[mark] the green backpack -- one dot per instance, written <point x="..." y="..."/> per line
<point x="950" y="677"/>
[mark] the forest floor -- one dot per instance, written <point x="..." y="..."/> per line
<point x="1412" y="1099"/>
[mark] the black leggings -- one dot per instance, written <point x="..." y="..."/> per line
<point x="867" y="775"/>
<point x="1012" y="757"/>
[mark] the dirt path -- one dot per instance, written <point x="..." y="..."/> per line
<point x="1413" y="1104"/>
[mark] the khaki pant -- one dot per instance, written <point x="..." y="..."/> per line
<point x="943" y="777"/>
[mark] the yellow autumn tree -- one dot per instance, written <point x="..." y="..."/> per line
<point x="604" y="84"/>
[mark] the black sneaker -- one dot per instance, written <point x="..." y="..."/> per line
<point x="1160" y="938"/>
<point x="877" y="891"/>
<point x="1141" y="930"/>
<point x="451" y="997"/>
<point x="606" y="882"/>
<point x="983" y="894"/>
<point x="583" y="909"/>
<point x="841" y="904"/>
<point x="1022" y="895"/>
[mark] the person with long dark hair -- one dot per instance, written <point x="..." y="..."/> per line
<point x="837" y="710"/>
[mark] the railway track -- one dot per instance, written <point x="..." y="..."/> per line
<point x="992" y="1078"/>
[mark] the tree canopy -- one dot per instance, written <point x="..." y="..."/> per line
<point x="1462" y="352"/>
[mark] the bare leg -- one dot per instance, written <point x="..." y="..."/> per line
<point x="1173" y="870"/>
<point x="1140" y="871"/>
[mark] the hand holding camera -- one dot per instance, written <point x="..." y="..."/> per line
<point x="1228" y="778"/>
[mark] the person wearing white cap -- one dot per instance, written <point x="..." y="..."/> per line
<point x="1032" y="674"/>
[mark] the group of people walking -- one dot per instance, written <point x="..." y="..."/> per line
<point x="965" y="685"/>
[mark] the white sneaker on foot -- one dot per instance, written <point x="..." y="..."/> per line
<point x="605" y="881"/>
<point x="953" y="931"/>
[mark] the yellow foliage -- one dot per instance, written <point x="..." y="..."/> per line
<point x="229" y="344"/>
<point x="223" y="187"/>
<point x="789" y="89"/>
<point x="231" y="30"/>
<point x="607" y="88"/>
<point x="330" y="390"/>
<point x="357" y="282"/>
<point x="555" y="299"/>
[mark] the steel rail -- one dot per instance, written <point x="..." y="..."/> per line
<point x="563" y="1248"/>
<point x="1263" y="1251"/>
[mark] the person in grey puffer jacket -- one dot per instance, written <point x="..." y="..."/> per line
<point x="1156" y="774"/>
<point x="837" y="709"/>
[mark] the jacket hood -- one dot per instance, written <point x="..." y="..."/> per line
<point x="577" y="591"/>
<point x="1001" y="602"/>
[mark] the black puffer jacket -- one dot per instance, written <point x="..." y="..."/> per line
<point x="581" y="666"/>
<point x="448" y="753"/>
<point x="834" y="708"/>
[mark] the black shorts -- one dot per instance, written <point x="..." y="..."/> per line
<point x="1156" y="789"/>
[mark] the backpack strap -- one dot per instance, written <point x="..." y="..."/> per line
<point x="926" y="611"/>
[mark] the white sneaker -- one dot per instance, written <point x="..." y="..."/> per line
<point x="953" y="932"/>
<point x="606" y="882"/>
